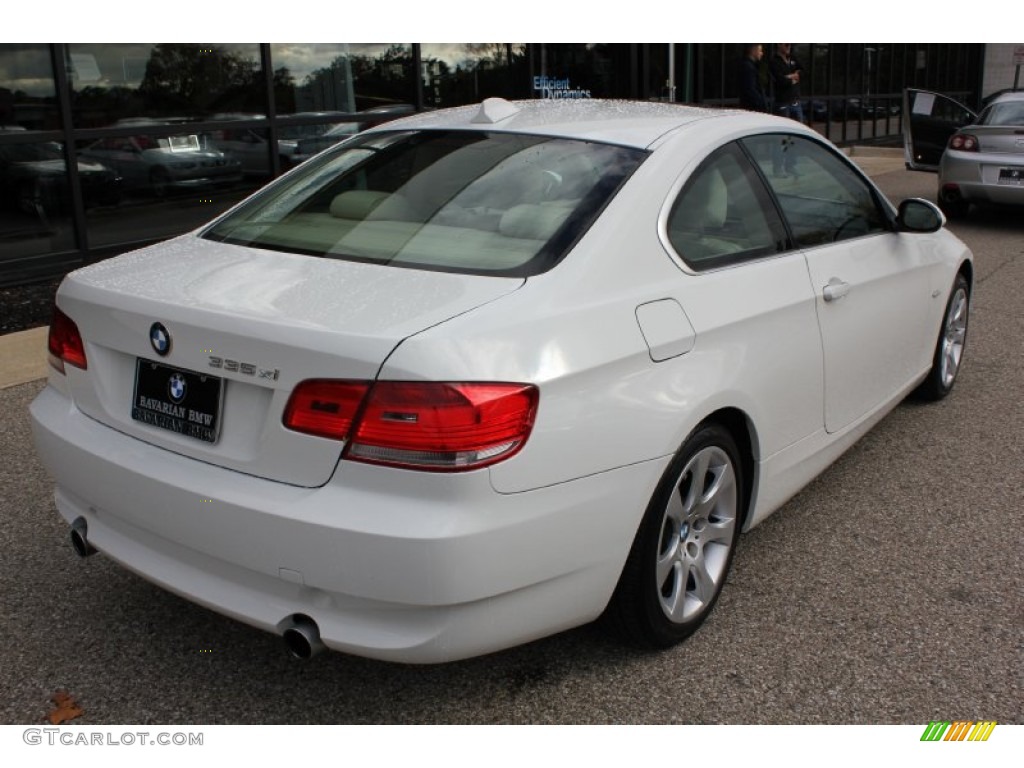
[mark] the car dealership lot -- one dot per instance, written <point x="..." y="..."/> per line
<point x="890" y="590"/>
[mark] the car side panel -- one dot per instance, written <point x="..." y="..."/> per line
<point x="604" y="402"/>
<point x="875" y="336"/>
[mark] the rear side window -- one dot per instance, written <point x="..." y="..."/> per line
<point x="461" y="201"/>
<point x="723" y="214"/>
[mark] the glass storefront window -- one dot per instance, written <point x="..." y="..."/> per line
<point x="27" y="91"/>
<point x="656" y="71"/>
<point x="115" y="82"/>
<point x="144" y="116"/>
<point x="466" y="73"/>
<point x="168" y="184"/>
<point x="341" y="77"/>
<point x="718" y="72"/>
<point x="581" y="70"/>
<point x="35" y="200"/>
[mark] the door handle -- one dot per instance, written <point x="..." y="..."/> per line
<point x="835" y="290"/>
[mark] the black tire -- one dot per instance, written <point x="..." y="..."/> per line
<point x="951" y="344"/>
<point x="684" y="547"/>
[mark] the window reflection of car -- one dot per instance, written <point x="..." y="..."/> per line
<point x="34" y="179"/>
<point x="248" y="146"/>
<point x="979" y="157"/>
<point x="167" y="163"/>
<point x="251" y="146"/>
<point x="312" y="145"/>
<point x="306" y="148"/>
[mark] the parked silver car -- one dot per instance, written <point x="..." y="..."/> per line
<point x="980" y="158"/>
<point x="167" y="163"/>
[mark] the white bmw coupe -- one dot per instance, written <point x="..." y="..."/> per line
<point x="480" y="375"/>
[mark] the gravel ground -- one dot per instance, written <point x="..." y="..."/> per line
<point x="27" y="306"/>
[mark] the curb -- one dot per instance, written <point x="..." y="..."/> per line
<point x="23" y="357"/>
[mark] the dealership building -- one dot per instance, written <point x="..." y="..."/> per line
<point x="108" y="147"/>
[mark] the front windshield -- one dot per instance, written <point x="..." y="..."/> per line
<point x="461" y="201"/>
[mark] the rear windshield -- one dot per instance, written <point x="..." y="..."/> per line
<point x="459" y="201"/>
<point x="1004" y="113"/>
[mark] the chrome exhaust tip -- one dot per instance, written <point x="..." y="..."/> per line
<point x="80" y="538"/>
<point x="302" y="637"/>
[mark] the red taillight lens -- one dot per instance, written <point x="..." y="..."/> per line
<point x="964" y="142"/>
<point x="443" y="427"/>
<point x="65" y="342"/>
<point x="325" y="407"/>
<point x="420" y="425"/>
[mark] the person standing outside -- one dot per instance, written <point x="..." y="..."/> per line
<point x="785" y="77"/>
<point x="752" y="95"/>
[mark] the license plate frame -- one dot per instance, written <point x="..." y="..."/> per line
<point x="178" y="400"/>
<point x="1011" y="176"/>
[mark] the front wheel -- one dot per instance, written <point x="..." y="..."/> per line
<point x="682" y="552"/>
<point x="949" y="349"/>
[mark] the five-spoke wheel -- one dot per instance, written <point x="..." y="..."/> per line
<point x="949" y="350"/>
<point x="683" y="549"/>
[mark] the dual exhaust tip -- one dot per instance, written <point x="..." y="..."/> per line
<point x="301" y="634"/>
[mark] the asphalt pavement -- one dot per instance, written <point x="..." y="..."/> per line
<point x="888" y="591"/>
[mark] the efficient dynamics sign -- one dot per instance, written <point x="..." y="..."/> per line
<point x="554" y="88"/>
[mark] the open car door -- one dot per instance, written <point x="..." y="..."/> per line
<point x="929" y="119"/>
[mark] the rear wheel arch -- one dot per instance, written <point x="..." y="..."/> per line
<point x="684" y="545"/>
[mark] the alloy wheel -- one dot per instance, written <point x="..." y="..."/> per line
<point x="953" y="337"/>
<point x="697" y="535"/>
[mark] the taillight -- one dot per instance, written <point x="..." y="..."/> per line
<point x="443" y="427"/>
<point x="420" y="425"/>
<point x="65" y="342"/>
<point x="325" y="407"/>
<point x="964" y="142"/>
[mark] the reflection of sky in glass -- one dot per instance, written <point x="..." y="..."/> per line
<point x="124" y="64"/>
<point x="454" y="54"/>
<point x="26" y="68"/>
<point x="302" y="59"/>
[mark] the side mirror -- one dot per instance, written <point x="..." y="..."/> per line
<point x="917" y="215"/>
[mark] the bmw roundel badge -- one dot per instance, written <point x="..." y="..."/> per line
<point x="176" y="387"/>
<point x="160" y="339"/>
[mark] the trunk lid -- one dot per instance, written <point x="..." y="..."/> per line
<point x="1006" y="139"/>
<point x="260" y="321"/>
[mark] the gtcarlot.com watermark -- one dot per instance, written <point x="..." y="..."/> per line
<point x="85" y="738"/>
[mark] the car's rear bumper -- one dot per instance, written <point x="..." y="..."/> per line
<point x="396" y="565"/>
<point x="976" y="176"/>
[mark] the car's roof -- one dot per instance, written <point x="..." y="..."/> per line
<point x="629" y="123"/>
